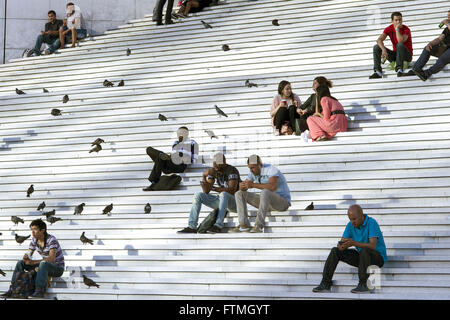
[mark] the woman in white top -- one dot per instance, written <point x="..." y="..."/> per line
<point x="74" y="25"/>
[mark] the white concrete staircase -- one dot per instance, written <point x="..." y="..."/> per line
<point x="393" y="161"/>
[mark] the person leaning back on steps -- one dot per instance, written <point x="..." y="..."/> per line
<point x="439" y="47"/>
<point x="400" y="36"/>
<point x="184" y="153"/>
<point x="362" y="232"/>
<point x="275" y="194"/>
<point x="227" y="178"/>
<point x="53" y="259"/>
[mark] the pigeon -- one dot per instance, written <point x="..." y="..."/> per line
<point x="20" y="239"/>
<point x="65" y="98"/>
<point x="97" y="141"/>
<point x="16" y="220"/>
<point x="79" y="208"/>
<point x="108" y="209"/>
<point x="275" y="22"/>
<point x="211" y="134"/>
<point x="148" y="208"/>
<point x="206" y="25"/>
<point x="41" y="206"/>
<point x="89" y="282"/>
<point x="250" y="84"/>
<point x="48" y="214"/>
<point x="19" y="91"/>
<point x="310" y="207"/>
<point x="85" y="239"/>
<point x="225" y="47"/>
<point x="162" y="117"/>
<point x="2" y="273"/>
<point x="30" y="191"/>
<point x="121" y="83"/>
<point x="220" y="112"/>
<point x="45" y="90"/>
<point x="128" y="51"/>
<point x="107" y="83"/>
<point x="52" y="220"/>
<point x="55" y="112"/>
<point x="97" y="148"/>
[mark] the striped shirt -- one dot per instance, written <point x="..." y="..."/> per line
<point x="50" y="243"/>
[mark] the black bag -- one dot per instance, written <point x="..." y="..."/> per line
<point x="442" y="47"/>
<point x="209" y="221"/>
<point x="24" y="285"/>
<point x="167" y="182"/>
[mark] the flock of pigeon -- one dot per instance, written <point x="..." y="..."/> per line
<point x="96" y="148"/>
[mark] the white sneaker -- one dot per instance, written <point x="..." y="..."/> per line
<point x="305" y="135"/>
<point x="276" y="132"/>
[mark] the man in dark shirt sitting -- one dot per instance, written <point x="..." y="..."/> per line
<point x="49" y="36"/>
<point x="228" y="179"/>
<point x="439" y="47"/>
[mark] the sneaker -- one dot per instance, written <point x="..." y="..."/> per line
<point x="240" y="229"/>
<point x="187" y="230"/>
<point x="256" y="229"/>
<point x="361" y="288"/>
<point x="276" y="132"/>
<point x="214" y="229"/>
<point x="38" y="293"/>
<point x="30" y="53"/>
<point x="47" y="52"/>
<point x="405" y="74"/>
<point x="375" y="75"/>
<point x="322" y="287"/>
<point x="421" y="74"/>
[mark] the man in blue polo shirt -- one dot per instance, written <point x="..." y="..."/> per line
<point x="275" y="194"/>
<point x="362" y="232"/>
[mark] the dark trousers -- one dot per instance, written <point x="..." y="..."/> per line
<point x="159" y="9"/>
<point x="162" y="166"/>
<point x="281" y="117"/>
<point x="399" y="56"/>
<point x="45" y="269"/>
<point x="441" y="62"/>
<point x="361" y="260"/>
<point x="293" y="115"/>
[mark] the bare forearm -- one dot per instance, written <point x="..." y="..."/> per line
<point x="366" y="245"/>
<point x="262" y="186"/>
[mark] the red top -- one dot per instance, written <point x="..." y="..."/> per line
<point x="390" y="31"/>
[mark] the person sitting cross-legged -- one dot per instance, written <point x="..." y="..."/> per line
<point x="53" y="259"/>
<point x="275" y="194"/>
<point x="227" y="178"/>
<point x="362" y="232"/>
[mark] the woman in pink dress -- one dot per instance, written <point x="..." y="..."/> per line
<point x="329" y="118"/>
<point x="284" y="106"/>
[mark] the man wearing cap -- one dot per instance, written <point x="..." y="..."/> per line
<point x="227" y="178"/>
<point x="275" y="194"/>
<point x="184" y="153"/>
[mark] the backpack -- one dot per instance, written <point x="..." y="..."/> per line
<point x="209" y="221"/>
<point x="24" y="285"/>
<point x="167" y="182"/>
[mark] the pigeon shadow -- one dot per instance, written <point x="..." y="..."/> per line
<point x="10" y="141"/>
<point x="105" y="261"/>
<point x="131" y="250"/>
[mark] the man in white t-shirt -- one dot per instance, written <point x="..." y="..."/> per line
<point x="74" y="25"/>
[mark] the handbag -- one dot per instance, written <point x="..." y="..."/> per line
<point x="442" y="47"/>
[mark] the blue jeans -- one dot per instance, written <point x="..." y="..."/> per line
<point x="45" y="269"/>
<point x="55" y="45"/>
<point x="40" y="40"/>
<point x="81" y="33"/>
<point x="441" y="62"/>
<point x="223" y="201"/>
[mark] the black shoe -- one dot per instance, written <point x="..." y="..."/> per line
<point x="420" y="74"/>
<point x="187" y="230"/>
<point x="375" y="76"/>
<point x="149" y="188"/>
<point x="164" y="156"/>
<point x="361" y="288"/>
<point x="214" y="229"/>
<point x="168" y="22"/>
<point x="158" y="23"/>
<point x="405" y="74"/>
<point x="322" y="287"/>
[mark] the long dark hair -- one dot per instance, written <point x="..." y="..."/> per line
<point x="281" y="86"/>
<point x="323" y="91"/>
<point x="324" y="81"/>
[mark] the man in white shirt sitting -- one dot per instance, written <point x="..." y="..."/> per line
<point x="74" y="25"/>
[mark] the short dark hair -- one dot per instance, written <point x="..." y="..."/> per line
<point x="396" y="14"/>
<point x="70" y="4"/>
<point x="52" y="12"/>
<point x="183" y="127"/>
<point x="40" y="224"/>
<point x="252" y="159"/>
